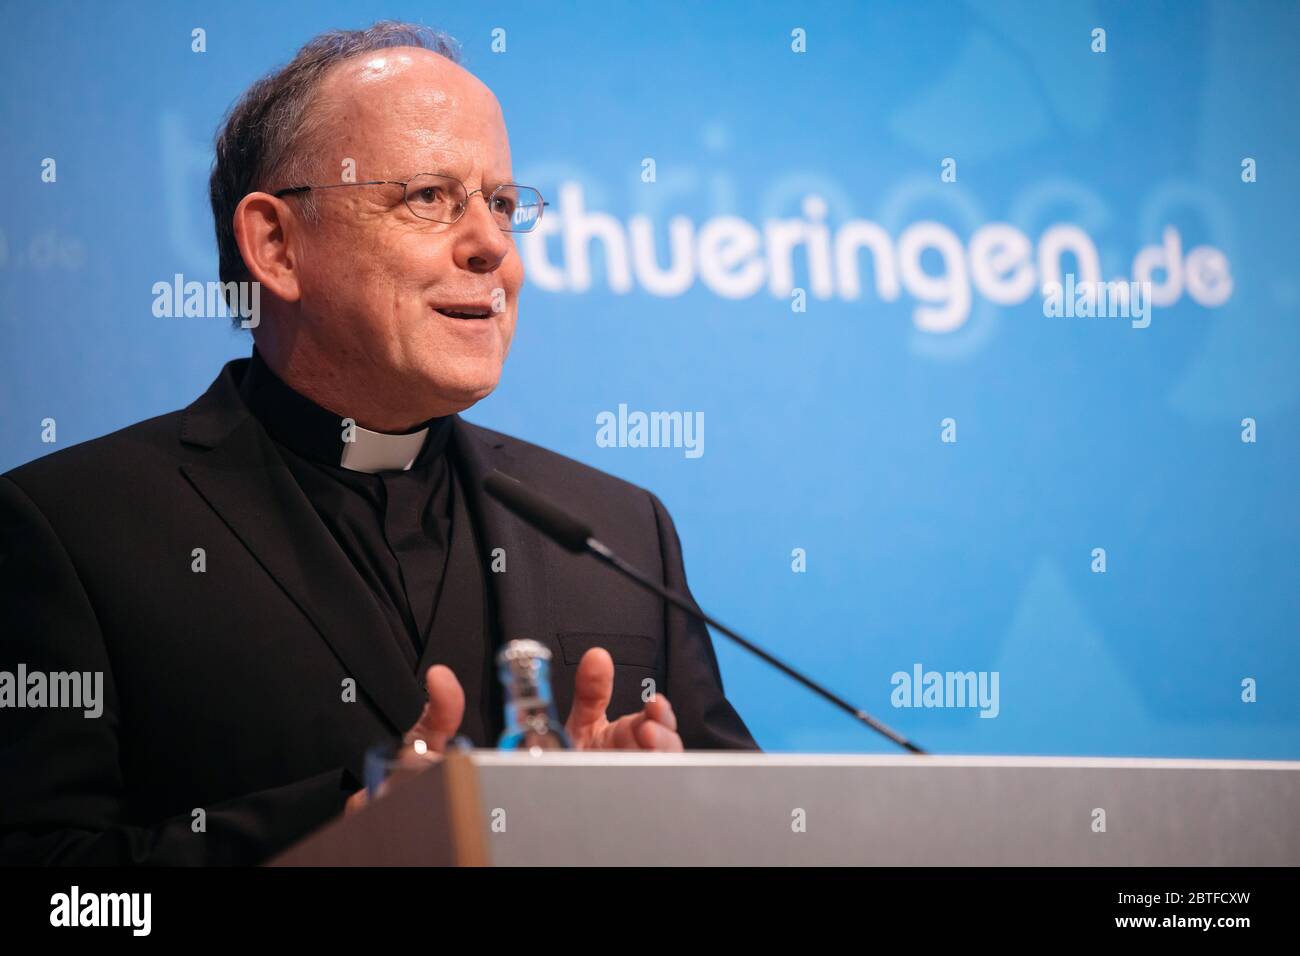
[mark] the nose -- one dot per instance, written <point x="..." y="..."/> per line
<point x="481" y="246"/>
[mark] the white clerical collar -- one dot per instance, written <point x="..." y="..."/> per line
<point x="374" y="451"/>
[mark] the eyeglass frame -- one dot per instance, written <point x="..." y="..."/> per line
<point x="487" y="197"/>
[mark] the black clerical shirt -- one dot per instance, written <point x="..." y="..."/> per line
<point x="404" y="525"/>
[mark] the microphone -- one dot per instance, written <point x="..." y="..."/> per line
<point x="576" y="536"/>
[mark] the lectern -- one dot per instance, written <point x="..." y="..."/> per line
<point x="710" y="809"/>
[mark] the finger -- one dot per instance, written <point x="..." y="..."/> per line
<point x="659" y="710"/>
<point x="355" y="802"/>
<point x="638" y="732"/>
<point x="592" y="688"/>
<point x="652" y="735"/>
<point x="442" y="715"/>
<point x="621" y="734"/>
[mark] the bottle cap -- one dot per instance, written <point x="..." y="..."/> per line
<point x="523" y="650"/>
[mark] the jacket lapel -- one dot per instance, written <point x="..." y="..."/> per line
<point x="521" y="594"/>
<point x="243" y="479"/>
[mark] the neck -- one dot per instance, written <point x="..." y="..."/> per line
<point x="352" y="389"/>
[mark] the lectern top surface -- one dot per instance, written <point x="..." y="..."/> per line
<point x="732" y="759"/>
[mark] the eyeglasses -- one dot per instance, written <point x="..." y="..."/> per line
<point x="444" y="199"/>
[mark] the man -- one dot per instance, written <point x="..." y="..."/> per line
<point x="302" y="562"/>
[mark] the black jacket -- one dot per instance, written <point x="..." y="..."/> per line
<point x="223" y="690"/>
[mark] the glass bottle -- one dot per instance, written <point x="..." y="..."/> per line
<point x="531" y="723"/>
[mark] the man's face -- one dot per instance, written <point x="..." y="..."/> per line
<point x="375" y="280"/>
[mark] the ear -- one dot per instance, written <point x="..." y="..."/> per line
<point x="264" y="228"/>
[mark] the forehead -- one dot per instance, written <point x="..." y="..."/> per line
<point x="403" y="110"/>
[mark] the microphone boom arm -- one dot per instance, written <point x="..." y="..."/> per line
<point x="575" y="536"/>
<point x="603" y="553"/>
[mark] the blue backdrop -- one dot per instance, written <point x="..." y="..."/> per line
<point x="798" y="247"/>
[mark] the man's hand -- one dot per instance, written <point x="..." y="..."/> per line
<point x="442" y="714"/>
<point x="654" y="728"/>
<point x="438" y="723"/>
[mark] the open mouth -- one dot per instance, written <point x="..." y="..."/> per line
<point x="465" y="312"/>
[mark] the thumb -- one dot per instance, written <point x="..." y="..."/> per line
<point x="441" y="716"/>
<point x="592" y="689"/>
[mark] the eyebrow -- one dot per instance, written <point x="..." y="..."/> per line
<point x="486" y="184"/>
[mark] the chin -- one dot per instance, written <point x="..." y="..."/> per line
<point x="462" y="387"/>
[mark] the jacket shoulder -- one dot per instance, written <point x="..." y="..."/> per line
<point x="551" y="469"/>
<point x="127" y="452"/>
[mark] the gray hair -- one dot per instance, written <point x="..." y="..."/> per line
<point x="262" y="143"/>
